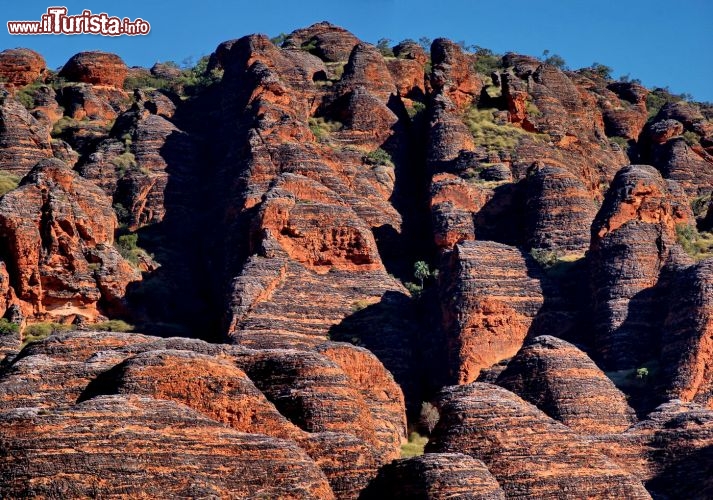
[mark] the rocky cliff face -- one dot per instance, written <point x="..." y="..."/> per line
<point x="315" y="238"/>
<point x="564" y="383"/>
<point x="529" y="454"/>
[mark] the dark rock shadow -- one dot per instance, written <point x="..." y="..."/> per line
<point x="391" y="330"/>
<point x="176" y="299"/>
<point x="689" y="476"/>
<point x="502" y="218"/>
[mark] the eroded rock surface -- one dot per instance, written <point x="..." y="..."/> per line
<point x="174" y="451"/>
<point x="490" y="295"/>
<point x="58" y="232"/>
<point x="21" y="67"/>
<point x="529" y="454"/>
<point x="99" y="68"/>
<point x="437" y="476"/>
<point x="563" y="382"/>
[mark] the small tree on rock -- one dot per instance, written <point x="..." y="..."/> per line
<point x="421" y="271"/>
<point x="429" y="416"/>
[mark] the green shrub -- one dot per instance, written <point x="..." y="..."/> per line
<point x="279" y="39"/>
<point x="421" y="271"/>
<point x="415" y="108"/>
<point x="8" y="181"/>
<point x="124" y="163"/>
<point x="623" y="142"/>
<point x="544" y="257"/>
<point x="598" y="70"/>
<point x="129" y="249"/>
<point x="697" y="245"/>
<point x="336" y="68"/>
<point x="7" y="327"/>
<point x="700" y="204"/>
<point x="196" y="79"/>
<point x="62" y="125"/>
<point x="414" y="288"/>
<point x="40" y="331"/>
<point x="429" y="416"/>
<point x="310" y="46"/>
<point x="26" y="95"/>
<point x="322" y="128"/>
<point x="415" y="445"/>
<point x="488" y="134"/>
<point x="532" y="109"/>
<point x="146" y="81"/>
<point x="378" y="157"/>
<point x="564" y="265"/>
<point x="554" y="60"/>
<point x="114" y="325"/>
<point x="361" y="304"/>
<point x="635" y="378"/>
<point x="384" y="46"/>
<point x="122" y="213"/>
<point x="659" y="97"/>
<point x="127" y="244"/>
<point x="486" y="61"/>
<point x="691" y="138"/>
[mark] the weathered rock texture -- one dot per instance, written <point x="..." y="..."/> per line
<point x="529" y="454"/>
<point x="453" y="73"/>
<point x="23" y="140"/>
<point x="280" y="201"/>
<point x="348" y="424"/>
<point x="331" y="43"/>
<point x="687" y="340"/>
<point x="58" y="234"/>
<point x="172" y="451"/>
<point x="633" y="238"/>
<point x="211" y="385"/>
<point x="559" y="210"/>
<point x="436" y="476"/>
<point x="671" y="451"/>
<point x="99" y="68"/>
<point x="563" y="382"/>
<point x="21" y="67"/>
<point x="489" y="297"/>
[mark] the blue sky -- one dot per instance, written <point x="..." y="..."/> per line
<point x="661" y="42"/>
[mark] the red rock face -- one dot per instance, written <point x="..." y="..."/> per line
<point x="174" y="451"/>
<point x="59" y="232"/>
<point x="20" y="67"/>
<point x="23" y="140"/>
<point x="87" y="102"/>
<point x="348" y="420"/>
<point x="687" y="344"/>
<point x="559" y="210"/>
<point x="437" y="476"/>
<point x="453" y="75"/>
<point x="381" y="394"/>
<point x="213" y="386"/>
<point x="331" y="43"/>
<point x="633" y="237"/>
<point x="366" y="68"/>
<point x="489" y="300"/>
<point x="408" y="77"/>
<point x="285" y="204"/>
<point x="624" y="109"/>
<point x="528" y="453"/>
<point x="98" y="68"/>
<point x="670" y="451"/>
<point x="563" y="382"/>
